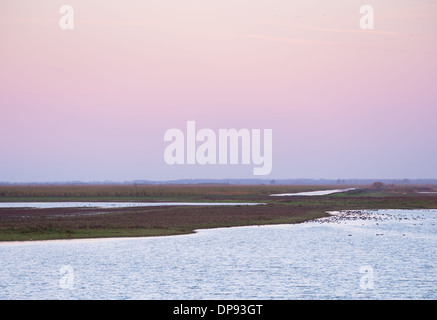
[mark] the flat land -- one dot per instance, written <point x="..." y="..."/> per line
<point x="20" y="224"/>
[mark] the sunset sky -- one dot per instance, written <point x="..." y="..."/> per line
<point x="93" y="103"/>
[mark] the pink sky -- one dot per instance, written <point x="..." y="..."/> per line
<point x="94" y="103"/>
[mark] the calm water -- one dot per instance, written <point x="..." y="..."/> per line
<point x="387" y="254"/>
<point x="312" y="193"/>
<point x="48" y="205"/>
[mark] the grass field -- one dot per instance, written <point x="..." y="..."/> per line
<point x="68" y="223"/>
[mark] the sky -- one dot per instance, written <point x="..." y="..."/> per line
<point x="93" y="103"/>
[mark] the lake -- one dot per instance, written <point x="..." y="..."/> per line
<point x="384" y="254"/>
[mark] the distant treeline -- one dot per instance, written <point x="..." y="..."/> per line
<point x="240" y="182"/>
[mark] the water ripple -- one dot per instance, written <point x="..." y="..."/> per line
<point x="371" y="254"/>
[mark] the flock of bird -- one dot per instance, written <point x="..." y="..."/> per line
<point x="378" y="216"/>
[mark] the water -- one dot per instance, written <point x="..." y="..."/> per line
<point x="312" y="193"/>
<point x="49" y="205"/>
<point x="386" y="254"/>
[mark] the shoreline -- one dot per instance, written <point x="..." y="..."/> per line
<point x="195" y="231"/>
<point x="55" y="235"/>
